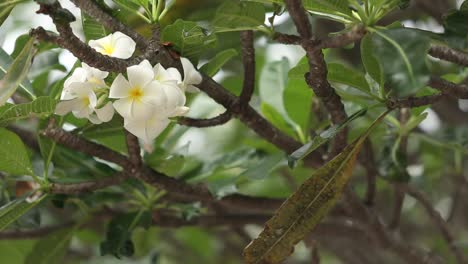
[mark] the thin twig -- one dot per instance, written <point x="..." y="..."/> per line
<point x="411" y="102"/>
<point x="248" y="59"/>
<point x="78" y="188"/>
<point x="208" y="122"/>
<point x="437" y="219"/>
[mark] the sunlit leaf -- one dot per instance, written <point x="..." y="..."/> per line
<point x="91" y="28"/>
<point x="189" y="39"/>
<point x="6" y="63"/>
<point x="14" y="157"/>
<point x="237" y="15"/>
<point x="215" y="64"/>
<point x="42" y="106"/>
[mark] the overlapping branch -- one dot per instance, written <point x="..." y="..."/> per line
<point x="316" y="78"/>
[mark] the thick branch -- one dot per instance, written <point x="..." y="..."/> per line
<point x="133" y="149"/>
<point x="456" y="90"/>
<point x="449" y="54"/>
<point x="317" y="77"/>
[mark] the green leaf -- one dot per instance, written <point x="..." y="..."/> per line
<point x="298" y="97"/>
<point x="370" y="62"/>
<point x="237" y="16"/>
<point x="402" y="53"/>
<point x="51" y="249"/>
<point x="110" y="134"/>
<point x="264" y="168"/>
<point x="215" y="64"/>
<point x="16" y="72"/>
<point x="14" y="157"/>
<point x="91" y="28"/>
<point x="337" y="10"/>
<point x="118" y="238"/>
<point x="5" y="12"/>
<point x="5" y="63"/>
<point x="189" y="39"/>
<point x="14" y="210"/>
<point x="304" y="209"/>
<point x="319" y="140"/>
<point x="277" y="119"/>
<point x="456" y="22"/>
<point x="341" y="74"/>
<point x="42" y="106"/>
<point x="132" y="7"/>
<point x="273" y="81"/>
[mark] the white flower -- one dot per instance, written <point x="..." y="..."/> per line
<point x="84" y="74"/>
<point x="140" y="96"/>
<point x="103" y="114"/>
<point x="147" y="130"/>
<point x="191" y="76"/>
<point x="81" y="101"/>
<point x="116" y="45"/>
<point x="175" y="97"/>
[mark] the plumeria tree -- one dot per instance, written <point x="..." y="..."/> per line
<point x="243" y="131"/>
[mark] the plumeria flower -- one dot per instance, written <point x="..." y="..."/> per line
<point x="147" y="130"/>
<point x="103" y="114"/>
<point x="116" y="45"/>
<point x="191" y="76"/>
<point x="175" y="97"/>
<point x="81" y="100"/>
<point x="83" y="74"/>
<point x="140" y="96"/>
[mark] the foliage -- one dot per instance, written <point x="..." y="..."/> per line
<point x="291" y="147"/>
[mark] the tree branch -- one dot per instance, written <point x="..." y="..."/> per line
<point x="93" y="10"/>
<point x="436" y="218"/>
<point x="317" y="77"/>
<point x="410" y="102"/>
<point x="456" y="90"/>
<point x="78" y="188"/>
<point x="449" y="54"/>
<point x="209" y="122"/>
<point x="248" y="59"/>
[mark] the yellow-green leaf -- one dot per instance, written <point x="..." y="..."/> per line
<point x="17" y="72"/>
<point x="304" y="209"/>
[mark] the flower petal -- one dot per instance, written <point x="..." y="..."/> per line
<point x="147" y="131"/>
<point x="140" y="75"/>
<point x="124" y="46"/>
<point x="180" y="111"/>
<point x="105" y="113"/>
<point x="129" y="108"/>
<point x="94" y="119"/>
<point x="175" y="74"/>
<point x="191" y="75"/>
<point x="93" y="72"/>
<point x="65" y="107"/>
<point x="120" y="88"/>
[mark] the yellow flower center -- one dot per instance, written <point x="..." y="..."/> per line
<point x="136" y="93"/>
<point x="86" y="101"/>
<point x="108" y="49"/>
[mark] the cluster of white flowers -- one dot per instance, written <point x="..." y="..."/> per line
<point x="146" y="99"/>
